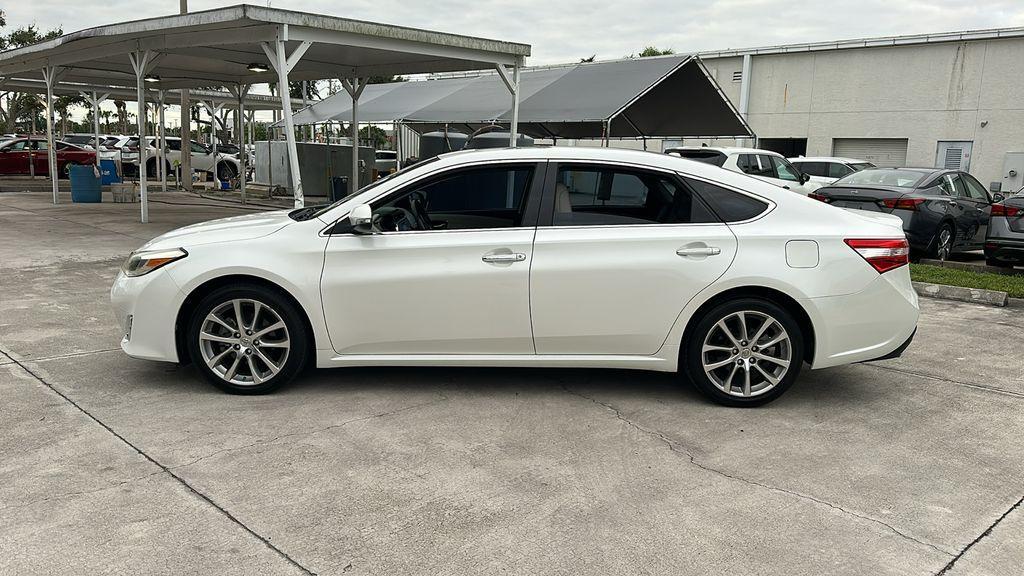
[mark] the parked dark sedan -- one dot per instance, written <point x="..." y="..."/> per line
<point x="1005" y="243"/>
<point x="943" y="211"/>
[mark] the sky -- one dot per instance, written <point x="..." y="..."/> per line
<point x="562" y="31"/>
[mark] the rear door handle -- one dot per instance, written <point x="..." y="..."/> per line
<point x="700" y="251"/>
<point x="507" y="258"/>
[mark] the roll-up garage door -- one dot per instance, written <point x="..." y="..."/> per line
<point x="885" y="152"/>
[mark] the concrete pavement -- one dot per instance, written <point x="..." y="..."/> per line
<point x="109" y="464"/>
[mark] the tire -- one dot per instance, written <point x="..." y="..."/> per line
<point x="151" y="169"/>
<point x="716" y="361"/>
<point x="936" y="250"/>
<point x="226" y="172"/>
<point x="219" y="350"/>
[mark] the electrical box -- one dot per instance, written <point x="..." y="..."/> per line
<point x="1013" y="172"/>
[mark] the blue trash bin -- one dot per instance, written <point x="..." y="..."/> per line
<point x="85" y="186"/>
<point x="108" y="172"/>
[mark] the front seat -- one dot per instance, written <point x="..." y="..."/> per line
<point x="563" y="203"/>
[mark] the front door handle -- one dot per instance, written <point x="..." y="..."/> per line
<point x="506" y="258"/>
<point x="700" y="251"/>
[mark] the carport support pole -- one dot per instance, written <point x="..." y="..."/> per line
<point x="513" y="136"/>
<point x="241" y="92"/>
<point x="162" y="142"/>
<point x="354" y="88"/>
<point x="140" y="61"/>
<point x="282" y="65"/>
<point x="50" y="77"/>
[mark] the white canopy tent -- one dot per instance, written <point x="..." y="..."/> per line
<point x="243" y="45"/>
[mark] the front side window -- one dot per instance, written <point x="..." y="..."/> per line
<point x="469" y="199"/>
<point x="838" y="170"/>
<point x="785" y="170"/>
<point x="974" y="188"/>
<point x="198" y="148"/>
<point x="957" y="185"/>
<point x="594" y="196"/>
<point x="174" y="145"/>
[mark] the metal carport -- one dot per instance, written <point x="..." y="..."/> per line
<point x="670" y="96"/>
<point x="239" y="46"/>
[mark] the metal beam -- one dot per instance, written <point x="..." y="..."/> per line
<point x="50" y="77"/>
<point x="140" y="62"/>
<point x="280" y="63"/>
<point x="354" y="87"/>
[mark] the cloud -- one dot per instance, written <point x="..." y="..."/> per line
<point x="567" y="30"/>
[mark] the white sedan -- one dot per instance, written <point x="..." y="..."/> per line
<point x="555" y="257"/>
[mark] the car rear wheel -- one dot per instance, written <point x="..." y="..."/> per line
<point x="745" y="352"/>
<point x="942" y="244"/>
<point x="247" y="339"/>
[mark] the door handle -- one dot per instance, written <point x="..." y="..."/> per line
<point x="700" y="251"/>
<point x="507" y="258"/>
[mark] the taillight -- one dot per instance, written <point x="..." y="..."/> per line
<point x="903" y="203"/>
<point x="882" y="254"/>
<point x="818" y="197"/>
<point x="1004" y="210"/>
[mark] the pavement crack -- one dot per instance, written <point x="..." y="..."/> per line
<point x="164" y="469"/>
<point x="310" y="432"/>
<point x="951" y="563"/>
<point x="81" y="492"/>
<point x="678" y="448"/>
<point x="983" y="387"/>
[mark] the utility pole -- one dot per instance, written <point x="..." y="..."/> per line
<point x="186" y="129"/>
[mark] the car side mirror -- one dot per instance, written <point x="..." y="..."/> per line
<point x="804" y="177"/>
<point x="361" y="219"/>
<point x="997" y="197"/>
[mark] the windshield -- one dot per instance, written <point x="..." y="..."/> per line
<point x="857" y="167"/>
<point x="883" y="177"/>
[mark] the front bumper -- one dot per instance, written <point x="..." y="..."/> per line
<point x="865" y="325"/>
<point x="151" y="302"/>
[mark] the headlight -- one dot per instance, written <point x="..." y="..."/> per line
<point x="144" y="262"/>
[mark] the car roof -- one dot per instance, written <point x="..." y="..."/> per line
<point x="723" y="149"/>
<point x="827" y="159"/>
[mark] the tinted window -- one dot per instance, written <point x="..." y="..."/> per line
<point x="174" y="145"/>
<point x="20" y="145"/>
<point x="813" y="168"/>
<point x="591" y="195"/>
<point x="974" y="188"/>
<point x="730" y="206"/>
<point x="837" y="170"/>
<point x="751" y="164"/>
<point x="957" y="184"/>
<point x="785" y="170"/>
<point x="712" y="157"/>
<point x="198" y="148"/>
<point x="491" y="197"/>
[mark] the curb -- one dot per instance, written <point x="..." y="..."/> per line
<point x="972" y="267"/>
<point x="960" y="294"/>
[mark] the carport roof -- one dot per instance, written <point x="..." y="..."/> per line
<point x="667" y="96"/>
<point x="216" y="47"/>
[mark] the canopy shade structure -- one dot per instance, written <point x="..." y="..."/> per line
<point x="242" y="45"/>
<point x="647" y="97"/>
<point x="251" y="102"/>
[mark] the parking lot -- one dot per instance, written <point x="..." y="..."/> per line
<point x="115" y="465"/>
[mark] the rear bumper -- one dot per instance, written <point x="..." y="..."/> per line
<point x="1005" y="250"/>
<point x="866" y="325"/>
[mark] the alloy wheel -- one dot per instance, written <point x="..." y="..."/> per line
<point x="945" y="243"/>
<point x="244" y="342"/>
<point x="746" y="353"/>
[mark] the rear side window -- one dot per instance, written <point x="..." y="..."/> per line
<point x="812" y="168"/>
<point x="730" y="206"/>
<point x="755" y="165"/>
<point x="594" y="196"/>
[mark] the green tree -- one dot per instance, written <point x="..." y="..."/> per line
<point x="649" y="51"/>
<point x="18" y="107"/>
<point x="377" y="136"/>
<point x="62" y="105"/>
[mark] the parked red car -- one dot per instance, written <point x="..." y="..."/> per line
<point x="19" y="154"/>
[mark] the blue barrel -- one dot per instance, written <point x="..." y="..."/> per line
<point x="85" y="186"/>
<point x="108" y="172"/>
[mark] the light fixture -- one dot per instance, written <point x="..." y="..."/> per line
<point x="151" y="78"/>
<point x="257" y="67"/>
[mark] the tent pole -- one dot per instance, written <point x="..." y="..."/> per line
<point x="49" y="76"/>
<point x="354" y="87"/>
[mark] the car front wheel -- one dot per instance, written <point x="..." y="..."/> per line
<point x="247" y="339"/>
<point x="744" y="352"/>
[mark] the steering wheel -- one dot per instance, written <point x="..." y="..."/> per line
<point x="418" y="206"/>
<point x="393" y="219"/>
